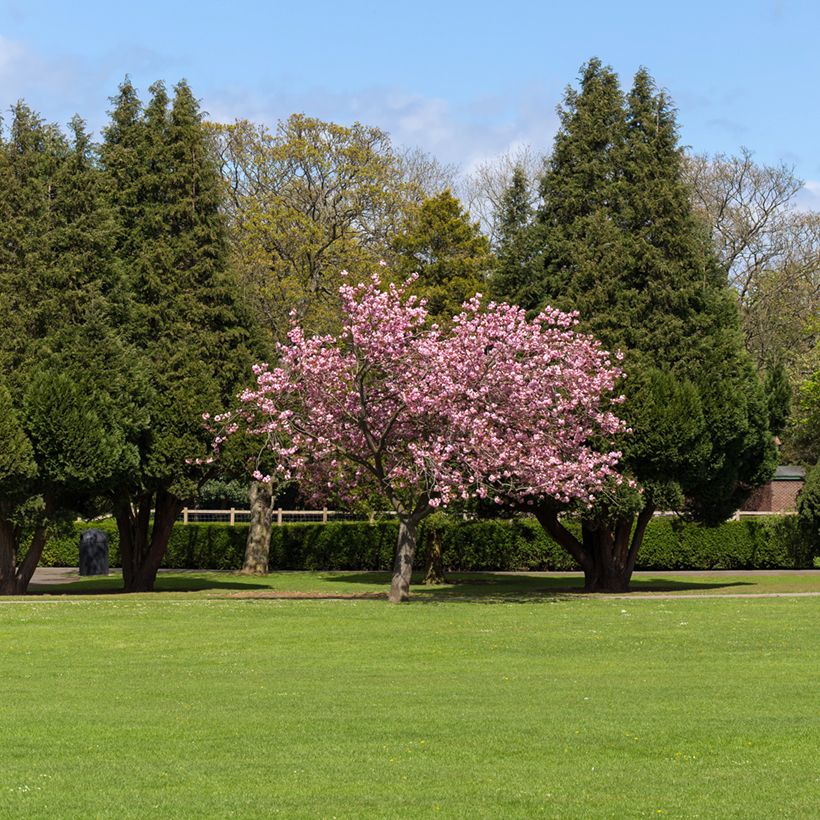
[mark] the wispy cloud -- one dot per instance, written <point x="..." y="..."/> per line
<point x="59" y="86"/>
<point x="463" y="133"/>
<point x="23" y="72"/>
<point x="808" y="197"/>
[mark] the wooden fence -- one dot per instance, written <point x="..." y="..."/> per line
<point x="279" y="516"/>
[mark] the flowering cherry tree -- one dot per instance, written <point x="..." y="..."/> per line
<point x="498" y="407"/>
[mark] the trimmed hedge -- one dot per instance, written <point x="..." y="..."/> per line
<point x="773" y="542"/>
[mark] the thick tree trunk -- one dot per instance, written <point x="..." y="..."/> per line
<point x="142" y="554"/>
<point x="257" y="547"/>
<point x="405" y="553"/>
<point x="14" y="577"/>
<point x="606" y="554"/>
<point x="435" y="566"/>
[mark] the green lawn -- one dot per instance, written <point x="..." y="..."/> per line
<point x="478" y="700"/>
<point x="485" y="586"/>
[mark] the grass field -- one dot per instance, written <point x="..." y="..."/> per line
<point x="493" y="699"/>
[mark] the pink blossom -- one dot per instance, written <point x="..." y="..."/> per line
<point x="500" y="406"/>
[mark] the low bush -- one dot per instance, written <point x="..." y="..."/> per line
<point x="775" y="542"/>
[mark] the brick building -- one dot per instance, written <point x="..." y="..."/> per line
<point x="779" y="494"/>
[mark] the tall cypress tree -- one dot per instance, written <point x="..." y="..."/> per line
<point x="617" y="241"/>
<point x="61" y="361"/>
<point x="183" y="311"/>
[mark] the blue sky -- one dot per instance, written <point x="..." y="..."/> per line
<point x="463" y="80"/>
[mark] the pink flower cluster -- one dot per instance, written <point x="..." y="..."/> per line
<point x="499" y="406"/>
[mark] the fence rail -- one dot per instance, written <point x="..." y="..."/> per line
<point x="278" y="516"/>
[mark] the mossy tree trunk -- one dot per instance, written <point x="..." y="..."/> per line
<point x="257" y="547"/>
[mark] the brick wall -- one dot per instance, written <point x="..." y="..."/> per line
<point x="775" y="496"/>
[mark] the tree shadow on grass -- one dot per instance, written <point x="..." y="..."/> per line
<point x="182" y="582"/>
<point x="493" y="587"/>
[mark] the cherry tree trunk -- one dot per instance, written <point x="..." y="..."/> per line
<point x="143" y="544"/>
<point x="257" y="547"/>
<point x="406" y="552"/>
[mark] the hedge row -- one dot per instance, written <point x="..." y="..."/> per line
<point x="517" y="544"/>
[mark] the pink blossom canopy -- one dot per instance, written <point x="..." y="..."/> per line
<point x="499" y="406"/>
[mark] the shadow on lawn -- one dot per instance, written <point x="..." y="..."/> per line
<point x="491" y="587"/>
<point x="112" y="585"/>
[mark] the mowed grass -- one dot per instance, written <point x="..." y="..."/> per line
<point x="462" y="586"/>
<point x="487" y="705"/>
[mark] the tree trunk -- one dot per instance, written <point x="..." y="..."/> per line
<point x="257" y="547"/>
<point x="15" y="578"/>
<point x="405" y="552"/>
<point x="435" y="565"/>
<point x="8" y="558"/>
<point x="606" y="552"/>
<point x="142" y="555"/>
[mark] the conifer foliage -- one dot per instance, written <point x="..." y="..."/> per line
<point x="65" y="433"/>
<point x="616" y="240"/>
<point x="165" y="190"/>
<point x="120" y="325"/>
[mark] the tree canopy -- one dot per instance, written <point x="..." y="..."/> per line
<point x="183" y="310"/>
<point x="616" y="239"/>
<point x="66" y="436"/>
<point x="447" y="251"/>
<point x="495" y="406"/>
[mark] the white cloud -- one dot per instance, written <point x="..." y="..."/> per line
<point x="808" y="198"/>
<point x="59" y="86"/>
<point x="463" y="133"/>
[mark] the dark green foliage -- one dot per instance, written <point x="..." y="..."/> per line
<point x="183" y="307"/>
<point x="17" y="465"/>
<point x="771" y="543"/>
<point x="808" y="509"/>
<point x="622" y="246"/>
<point x="512" y="277"/>
<point x="172" y="250"/>
<point x="492" y="545"/>
<point x="447" y="251"/>
<point x="617" y="240"/>
<point x="218" y="494"/>
<point x="61" y="360"/>
<point x="778" y="397"/>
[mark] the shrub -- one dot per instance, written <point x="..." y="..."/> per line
<point x="808" y="510"/>
<point x="776" y="542"/>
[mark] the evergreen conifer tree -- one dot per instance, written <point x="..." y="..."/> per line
<point x="183" y="311"/>
<point x="61" y="359"/>
<point x="448" y="252"/>
<point x="511" y="276"/>
<point x="617" y="241"/>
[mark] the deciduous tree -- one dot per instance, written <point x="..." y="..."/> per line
<point x="768" y="248"/>
<point x="500" y="407"/>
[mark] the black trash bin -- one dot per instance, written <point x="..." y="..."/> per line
<point x="93" y="553"/>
